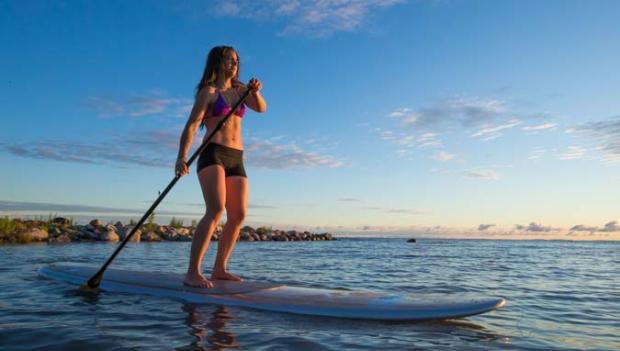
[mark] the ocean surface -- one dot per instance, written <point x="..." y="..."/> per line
<point x="561" y="296"/>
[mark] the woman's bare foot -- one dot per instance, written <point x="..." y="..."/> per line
<point x="197" y="281"/>
<point x="225" y="276"/>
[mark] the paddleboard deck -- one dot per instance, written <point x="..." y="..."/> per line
<point x="280" y="298"/>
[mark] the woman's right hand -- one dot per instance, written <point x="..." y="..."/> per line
<point x="181" y="167"/>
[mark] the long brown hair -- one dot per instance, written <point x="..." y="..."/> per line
<point x="214" y="60"/>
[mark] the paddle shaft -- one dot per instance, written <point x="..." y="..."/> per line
<point x="95" y="280"/>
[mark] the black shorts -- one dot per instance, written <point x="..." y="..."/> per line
<point x="230" y="159"/>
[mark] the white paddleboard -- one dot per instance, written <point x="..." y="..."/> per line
<point x="280" y="298"/>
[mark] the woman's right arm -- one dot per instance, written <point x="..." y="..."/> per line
<point x="194" y="121"/>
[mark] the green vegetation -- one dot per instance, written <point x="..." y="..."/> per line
<point x="150" y="223"/>
<point x="176" y="223"/>
<point x="194" y="224"/>
<point x="12" y="231"/>
<point x="7" y="226"/>
<point x="263" y="230"/>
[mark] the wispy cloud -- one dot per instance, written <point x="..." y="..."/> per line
<point x="489" y="132"/>
<point x="609" y="227"/>
<point x="539" y="127"/>
<point x="443" y="156"/>
<point x="268" y="154"/>
<point x="348" y="199"/>
<point x="139" y="106"/>
<point x="314" y="18"/>
<point x="477" y="117"/>
<point x="483" y="227"/>
<point x="606" y="135"/>
<point x="464" y="111"/>
<point x="535" y="227"/>
<point x="573" y="153"/>
<point x="406" y="211"/>
<point x="158" y="148"/>
<point x="64" y="209"/>
<point x="484" y="174"/>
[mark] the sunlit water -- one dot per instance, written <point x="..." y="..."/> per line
<point x="561" y="295"/>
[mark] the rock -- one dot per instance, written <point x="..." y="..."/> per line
<point x="169" y="233"/>
<point x="248" y="229"/>
<point x="95" y="223"/>
<point x="150" y="236"/>
<point x="263" y="237"/>
<point x="244" y="236"/>
<point x="184" y="232"/>
<point x="110" y="234"/>
<point x="61" y="239"/>
<point x="61" y="221"/>
<point x="412" y="240"/>
<point x="37" y="234"/>
<point x="127" y="230"/>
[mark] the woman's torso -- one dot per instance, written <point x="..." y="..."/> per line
<point x="230" y="134"/>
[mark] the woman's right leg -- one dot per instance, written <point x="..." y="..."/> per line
<point x="212" y="182"/>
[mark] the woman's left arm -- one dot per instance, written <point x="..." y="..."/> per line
<point x="255" y="101"/>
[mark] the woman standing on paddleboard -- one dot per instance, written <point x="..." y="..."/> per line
<point x="220" y="166"/>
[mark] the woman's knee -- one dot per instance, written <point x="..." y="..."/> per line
<point x="236" y="217"/>
<point x="214" y="212"/>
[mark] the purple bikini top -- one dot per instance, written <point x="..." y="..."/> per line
<point x="221" y="108"/>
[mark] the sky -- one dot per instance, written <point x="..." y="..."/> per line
<point x="469" y="119"/>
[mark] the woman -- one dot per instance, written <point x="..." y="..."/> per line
<point x="220" y="166"/>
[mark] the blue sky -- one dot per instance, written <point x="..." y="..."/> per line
<point x="438" y="118"/>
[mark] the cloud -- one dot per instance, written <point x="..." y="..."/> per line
<point x="611" y="227"/>
<point x="534" y="227"/>
<point x="318" y="18"/>
<point x="573" y="153"/>
<point x="64" y="209"/>
<point x="267" y="154"/>
<point x="480" y="118"/>
<point x="607" y="228"/>
<point x="348" y="199"/>
<point x="443" y="156"/>
<point x="536" y="154"/>
<point x="483" y="227"/>
<point x="139" y="106"/>
<point x="405" y="211"/>
<point x="158" y="148"/>
<point x="583" y="228"/>
<point x="539" y="127"/>
<point x="102" y="153"/>
<point x="606" y="135"/>
<point x="484" y="174"/>
<point x="466" y="112"/>
<point x="488" y="132"/>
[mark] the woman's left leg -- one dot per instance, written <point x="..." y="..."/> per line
<point x="236" y="206"/>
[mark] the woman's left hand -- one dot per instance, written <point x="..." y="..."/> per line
<point x="255" y="85"/>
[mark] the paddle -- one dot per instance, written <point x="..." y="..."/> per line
<point x="95" y="280"/>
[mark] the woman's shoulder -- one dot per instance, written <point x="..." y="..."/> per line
<point x="207" y="92"/>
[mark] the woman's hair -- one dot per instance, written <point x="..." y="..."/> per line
<point x="214" y="61"/>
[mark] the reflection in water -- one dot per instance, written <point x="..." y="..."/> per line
<point x="209" y="330"/>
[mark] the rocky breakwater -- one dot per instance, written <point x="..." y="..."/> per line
<point x="61" y="230"/>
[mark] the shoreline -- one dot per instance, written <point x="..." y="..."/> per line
<point x="60" y="230"/>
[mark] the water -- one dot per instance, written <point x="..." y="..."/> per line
<point x="561" y="295"/>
